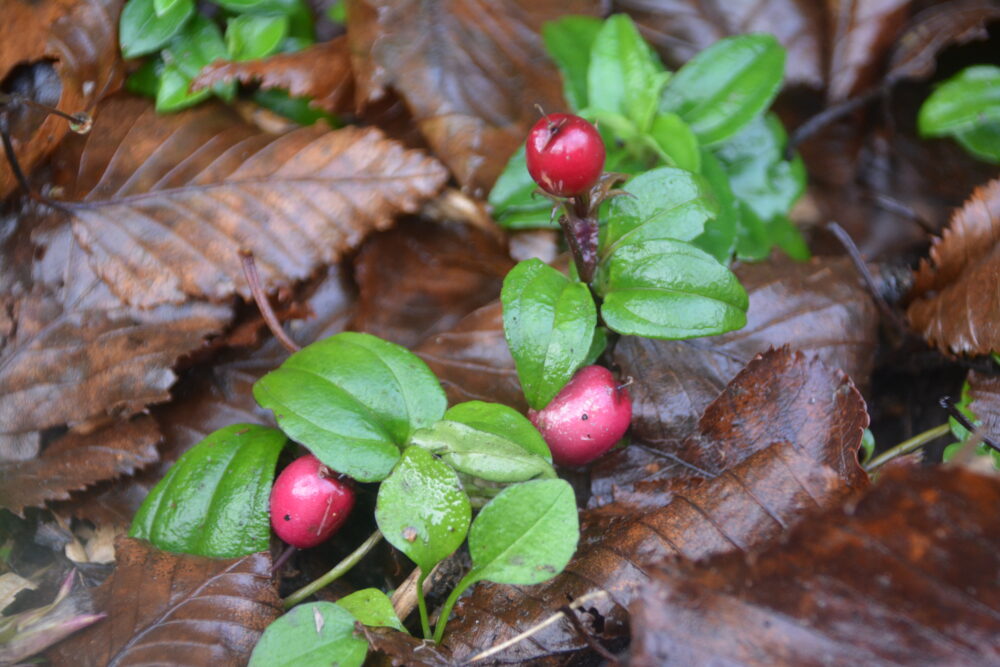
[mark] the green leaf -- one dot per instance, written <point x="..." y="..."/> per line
<point x="669" y="289"/>
<point x="968" y="100"/>
<point x="515" y="205"/>
<point x="317" y="633"/>
<point x="146" y="79"/>
<point x="253" y="36"/>
<point x="337" y="12"/>
<point x="162" y="7"/>
<point x="353" y="400"/>
<point x="665" y="203"/>
<point x="141" y="31"/>
<point x="675" y="142"/>
<point x="371" y="607"/>
<point x="298" y="109"/>
<point x="243" y="5"/>
<point x="719" y="237"/>
<point x="549" y="322"/>
<point x="982" y="141"/>
<point x="625" y="76"/>
<point x="867" y="444"/>
<point x="569" y="41"/>
<point x="422" y="509"/>
<point x="503" y="421"/>
<point x="214" y="499"/>
<point x="199" y="44"/>
<point x="726" y="86"/>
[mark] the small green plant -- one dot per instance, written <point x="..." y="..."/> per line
<point x="963" y="434"/>
<point x="966" y="108"/>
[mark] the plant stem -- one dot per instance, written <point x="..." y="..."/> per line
<point x="339" y="570"/>
<point x="907" y="446"/>
<point x="466" y="581"/>
<point x="425" y="623"/>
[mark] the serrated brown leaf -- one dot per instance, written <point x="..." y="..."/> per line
<point x="471" y="72"/>
<point x="75" y="461"/>
<point x="175" y="609"/>
<point x="70" y="48"/>
<point x="908" y="576"/>
<point x="321" y="72"/>
<point x="955" y="306"/>
<point x="765" y="480"/>
<point x="165" y="204"/>
<point x="421" y="278"/>
<point x="985" y="392"/>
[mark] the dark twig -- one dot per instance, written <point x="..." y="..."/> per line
<point x="887" y="203"/>
<point x="15" y="166"/>
<point x="827" y="116"/>
<point x="82" y="119"/>
<point x="956" y="414"/>
<point x="595" y="645"/>
<point x="253" y="279"/>
<point x="283" y="558"/>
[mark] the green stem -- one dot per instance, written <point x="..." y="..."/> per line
<point x="339" y="570"/>
<point x="425" y="622"/>
<point x="466" y="581"/>
<point x="907" y="446"/>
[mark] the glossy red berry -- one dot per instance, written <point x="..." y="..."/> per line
<point x="565" y="154"/>
<point x="309" y="503"/>
<point x="586" y="418"/>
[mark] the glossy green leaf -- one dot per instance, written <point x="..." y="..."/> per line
<point x="665" y="203"/>
<point x="243" y="5"/>
<point x="719" y="237"/>
<point x="669" y="289"/>
<point x="199" y="44"/>
<point x="548" y="321"/>
<point x="317" y="633"/>
<point x="968" y="100"/>
<point x="298" y="109"/>
<point x="515" y="204"/>
<point x="146" y="79"/>
<point x="675" y="142"/>
<point x="253" y="36"/>
<point x="625" y="76"/>
<point x="141" y="31"/>
<point x="982" y="141"/>
<point x="214" y="500"/>
<point x="162" y="7"/>
<point x="726" y="86"/>
<point x="569" y="41"/>
<point x="597" y="346"/>
<point x="422" y="509"/>
<point x="353" y="400"/>
<point x="501" y="420"/>
<point x="371" y="607"/>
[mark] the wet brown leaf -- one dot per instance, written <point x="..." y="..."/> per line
<point x="954" y="307"/>
<point x="421" y="278"/>
<point x="985" y="392"/>
<point x="862" y="32"/>
<point x="321" y="72"/>
<point x="905" y="577"/>
<point x="403" y="650"/>
<point x="165" y="204"/>
<point x="471" y="72"/>
<point x="68" y="55"/>
<point x="191" y="611"/>
<point x="766" y="477"/>
<point x="75" y="461"/>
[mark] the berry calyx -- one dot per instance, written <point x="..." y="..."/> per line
<point x="309" y="502"/>
<point x="586" y="418"/>
<point x="565" y="154"/>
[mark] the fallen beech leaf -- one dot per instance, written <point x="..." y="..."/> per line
<point x="985" y="392"/>
<point x="72" y="47"/>
<point x="907" y="576"/>
<point x="764" y="480"/>
<point x="403" y="650"/>
<point x="165" y="204"/>
<point x="74" y="462"/>
<point x="321" y="72"/>
<point x="471" y="72"/>
<point x="862" y="33"/>
<point x="191" y="611"/>
<point x="421" y="278"/>
<point x="953" y="308"/>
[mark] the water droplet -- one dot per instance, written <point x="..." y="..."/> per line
<point x="84" y="121"/>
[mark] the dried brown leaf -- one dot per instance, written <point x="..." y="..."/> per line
<point x="471" y="72"/>
<point x="862" y="33"/>
<point x="405" y="650"/>
<point x="191" y="610"/>
<point x="956" y="306"/>
<point x="905" y="577"/>
<point x="165" y="204"/>
<point x="985" y="392"/>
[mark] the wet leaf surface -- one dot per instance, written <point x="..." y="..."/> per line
<point x="401" y="649"/>
<point x="192" y="611"/>
<point x="985" y="392"/>
<point x="862" y="32"/>
<point x="905" y="576"/>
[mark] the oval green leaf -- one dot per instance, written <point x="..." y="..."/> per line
<point x="371" y="607"/>
<point x="968" y="100"/>
<point x="549" y="322"/>
<point x="675" y="142"/>
<point x="501" y="420"/>
<point x="515" y="205"/>
<point x="422" y="509"/>
<point x="199" y="44"/>
<point x="568" y="41"/>
<point x="726" y="86"/>
<point x="141" y="31"/>
<point x="719" y="237"/>
<point x="253" y="36"/>
<point x="214" y="500"/>
<point x="318" y="633"/>
<point x="982" y="141"/>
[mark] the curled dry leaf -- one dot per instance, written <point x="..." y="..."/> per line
<point x="165" y="204"/>
<point x="71" y="50"/>
<point x="985" y="392"/>
<point x="321" y="72"/>
<point x="471" y="72"/>
<point x="906" y="576"/>
<point x="764" y="480"/>
<point x="955" y="305"/>
<point x="192" y="610"/>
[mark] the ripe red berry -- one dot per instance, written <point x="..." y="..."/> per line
<point x="586" y="418"/>
<point x="309" y="503"/>
<point x="565" y="154"/>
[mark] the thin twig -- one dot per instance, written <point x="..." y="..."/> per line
<point x="253" y="280"/>
<point x="907" y="446"/>
<point x="957" y="415"/>
<point x="15" y="166"/>
<point x="339" y="570"/>
<point x="595" y="645"/>
<point x="283" y="558"/>
<point x="9" y="99"/>
<point x="554" y="618"/>
<point x="827" y="116"/>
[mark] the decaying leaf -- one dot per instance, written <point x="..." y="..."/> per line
<point x="191" y="610"/>
<point x="862" y="32"/>
<point x="985" y="392"/>
<point x="165" y="204"/>
<point x="403" y="650"/>
<point x="955" y="305"/>
<point x="906" y="576"/>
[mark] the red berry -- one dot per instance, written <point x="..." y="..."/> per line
<point x="309" y="503"/>
<point x="586" y="418"/>
<point x="565" y="154"/>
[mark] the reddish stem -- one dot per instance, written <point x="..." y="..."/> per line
<point x="273" y="323"/>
